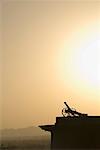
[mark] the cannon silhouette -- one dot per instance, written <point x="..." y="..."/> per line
<point x="71" y="112"/>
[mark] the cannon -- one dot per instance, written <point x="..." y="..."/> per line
<point x="71" y="112"/>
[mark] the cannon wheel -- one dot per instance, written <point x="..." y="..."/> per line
<point x="64" y="113"/>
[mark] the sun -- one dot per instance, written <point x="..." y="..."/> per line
<point x="81" y="65"/>
<point x="88" y="62"/>
<point x="79" y="59"/>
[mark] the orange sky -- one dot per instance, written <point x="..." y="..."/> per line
<point x="50" y="53"/>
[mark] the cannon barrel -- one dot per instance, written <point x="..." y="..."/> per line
<point x="73" y="112"/>
<point x="67" y="105"/>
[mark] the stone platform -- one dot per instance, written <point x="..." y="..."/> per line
<point x="75" y="133"/>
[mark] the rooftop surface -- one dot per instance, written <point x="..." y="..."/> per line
<point x="73" y="121"/>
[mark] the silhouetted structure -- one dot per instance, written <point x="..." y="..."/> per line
<point x="69" y="112"/>
<point x="75" y="132"/>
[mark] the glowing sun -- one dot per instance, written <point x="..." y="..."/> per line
<point x="88" y="62"/>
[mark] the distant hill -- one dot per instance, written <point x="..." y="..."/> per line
<point x="23" y="133"/>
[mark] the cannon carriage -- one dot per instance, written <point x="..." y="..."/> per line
<point x="71" y="112"/>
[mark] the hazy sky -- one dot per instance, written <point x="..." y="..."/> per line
<point x="51" y="53"/>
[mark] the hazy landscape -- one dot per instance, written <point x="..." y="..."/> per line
<point x="24" y="138"/>
<point x="49" y="54"/>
